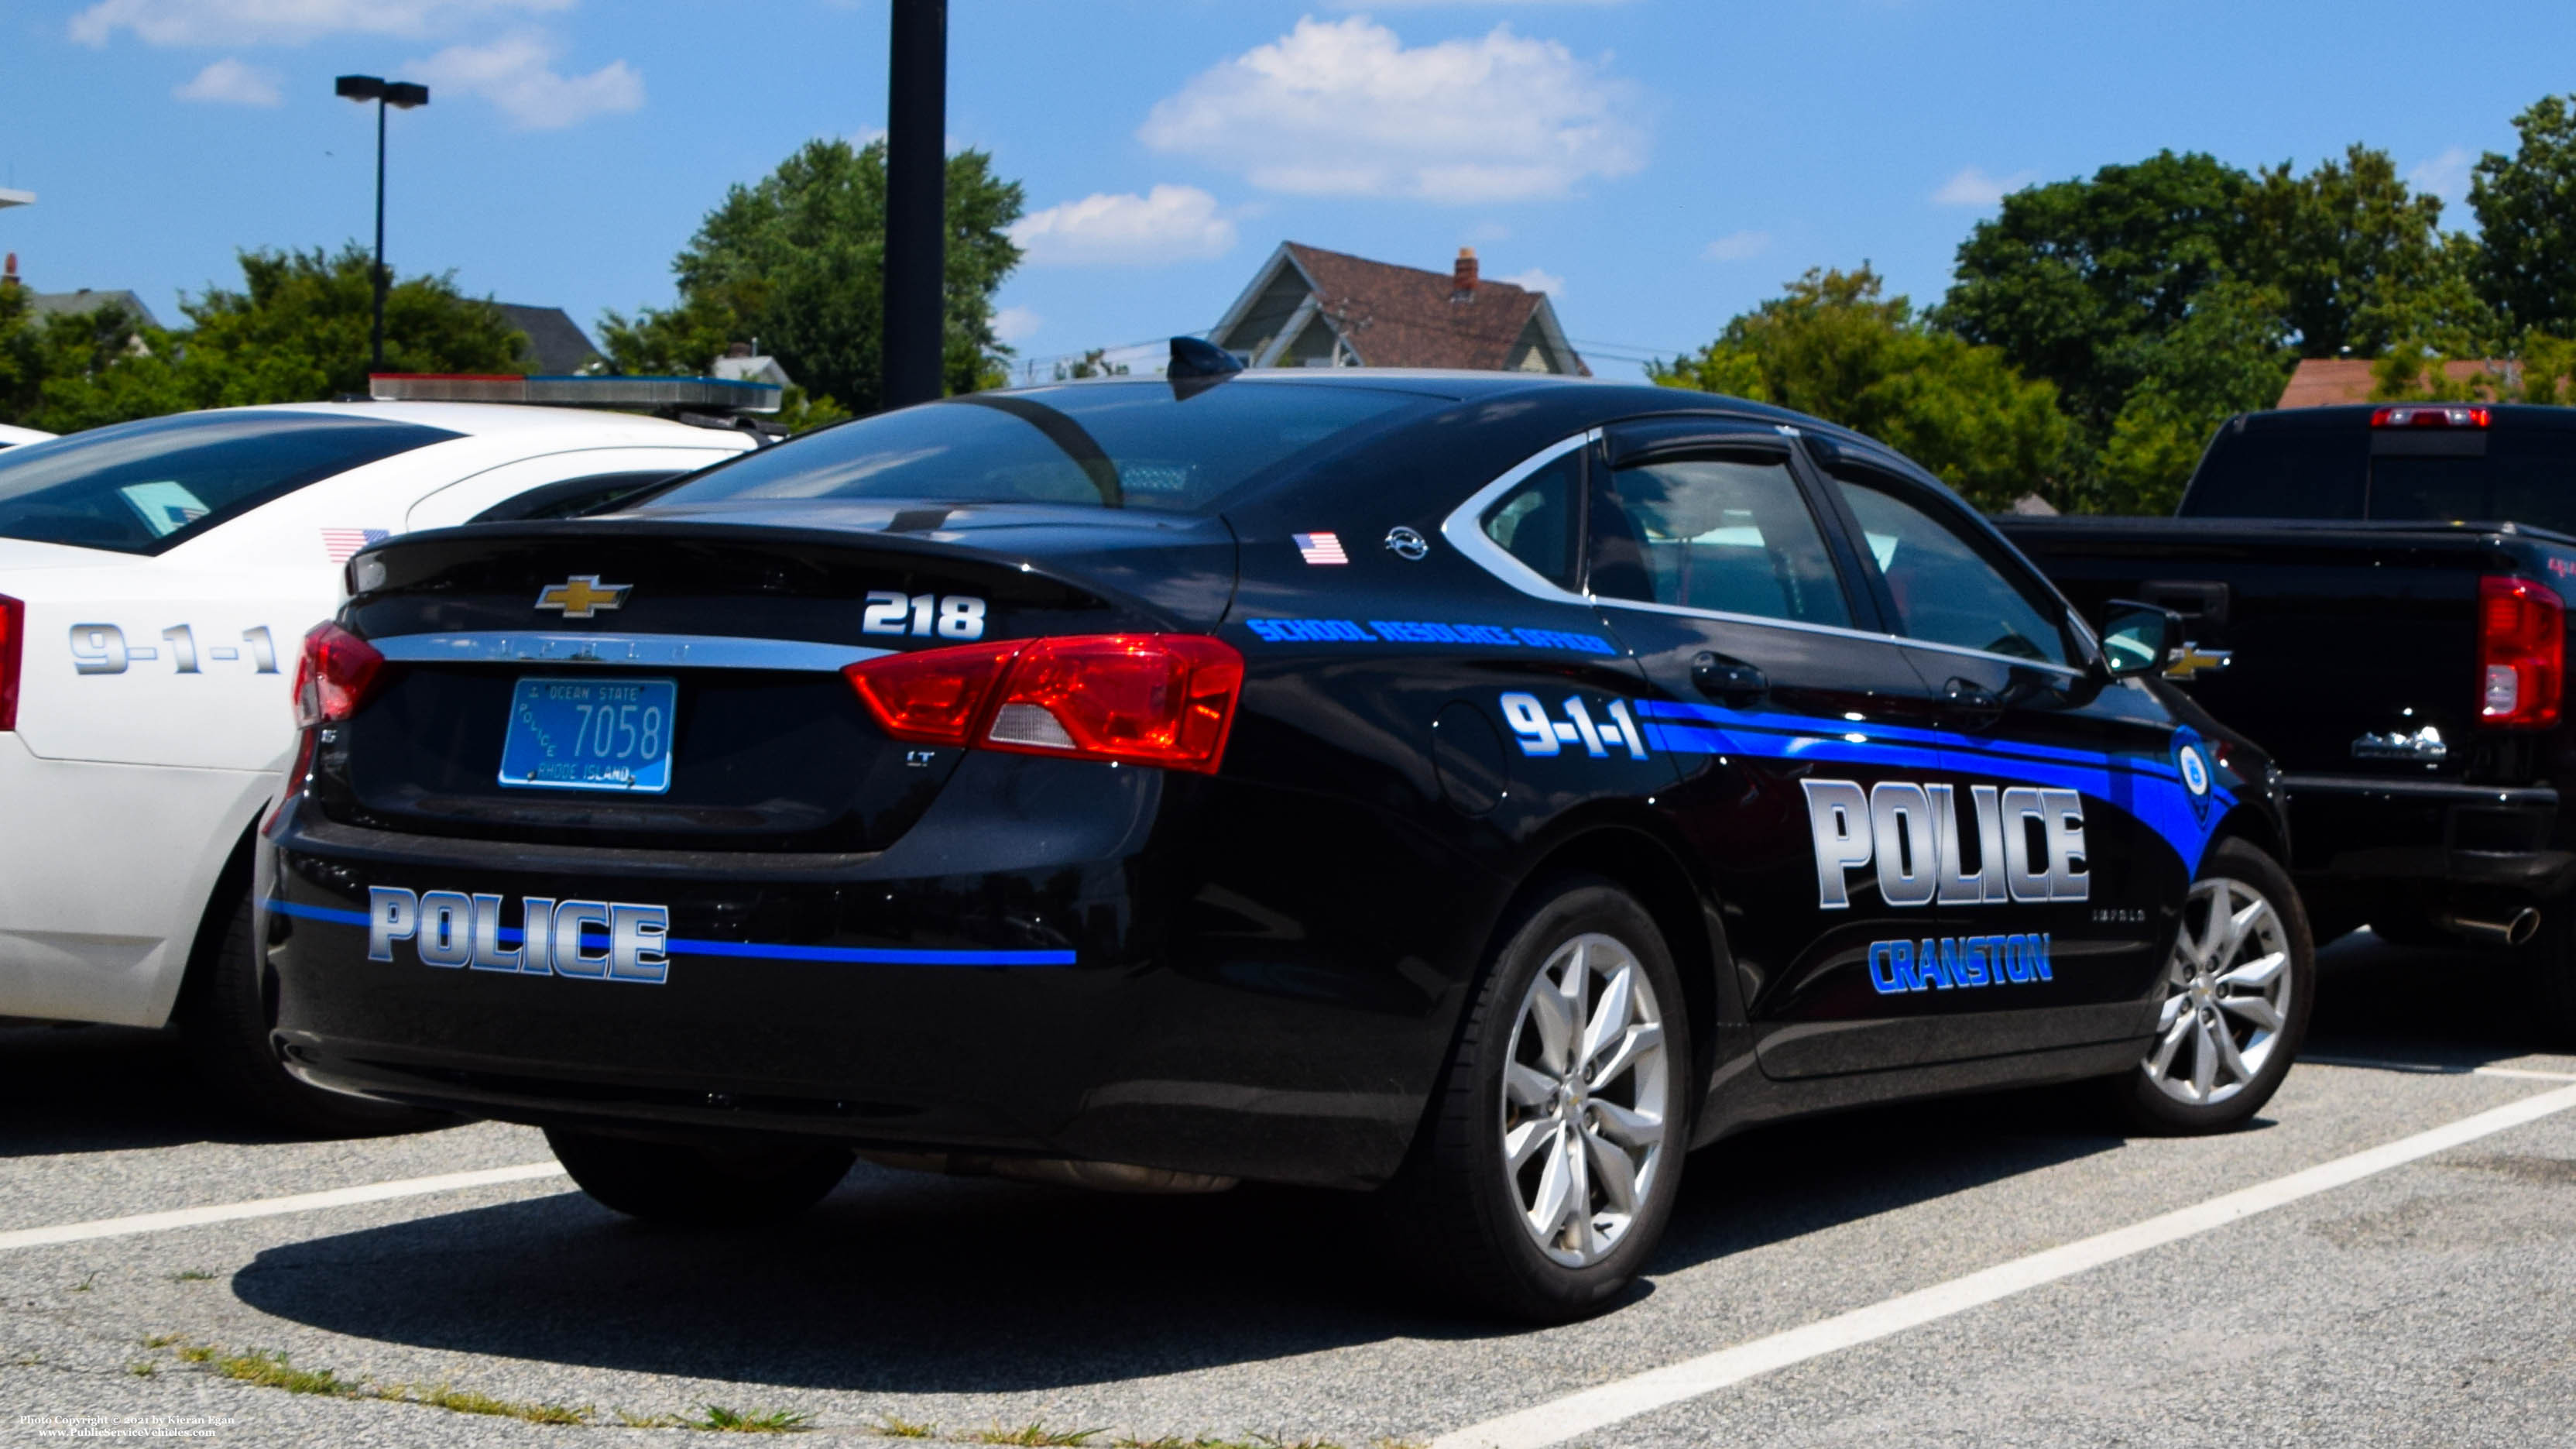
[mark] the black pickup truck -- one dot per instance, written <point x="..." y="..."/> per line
<point x="2378" y="595"/>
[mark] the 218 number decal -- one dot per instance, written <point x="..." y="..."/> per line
<point x="1540" y="733"/>
<point x="923" y="616"/>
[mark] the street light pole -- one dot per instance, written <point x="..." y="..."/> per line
<point x="401" y="95"/>
<point x="916" y="203"/>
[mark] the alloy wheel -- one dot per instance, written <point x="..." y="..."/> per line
<point x="1587" y="1092"/>
<point x="2227" y="994"/>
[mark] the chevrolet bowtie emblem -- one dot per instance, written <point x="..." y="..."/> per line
<point x="583" y="595"/>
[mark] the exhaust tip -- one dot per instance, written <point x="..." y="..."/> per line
<point x="2514" y="930"/>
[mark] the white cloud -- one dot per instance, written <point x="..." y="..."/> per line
<point x="1738" y="246"/>
<point x="1537" y="279"/>
<point x="1167" y="224"/>
<point x="1973" y="187"/>
<point x="285" y="22"/>
<point x="1344" y="109"/>
<point x="516" y="74"/>
<point x="229" y="82"/>
<point x="2446" y="175"/>
<point x="1014" y="325"/>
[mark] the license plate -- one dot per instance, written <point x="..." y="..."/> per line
<point x="590" y="734"/>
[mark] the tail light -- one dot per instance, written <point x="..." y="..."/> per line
<point x="2522" y="652"/>
<point x="13" y="633"/>
<point x="1146" y="699"/>
<point x="337" y="673"/>
<point x="2434" y="415"/>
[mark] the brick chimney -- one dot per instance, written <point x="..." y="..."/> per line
<point x="1462" y="277"/>
<point x="9" y="278"/>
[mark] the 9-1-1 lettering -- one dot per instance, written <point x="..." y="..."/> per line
<point x="101" y="649"/>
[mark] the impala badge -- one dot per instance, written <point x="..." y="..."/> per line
<point x="582" y="596"/>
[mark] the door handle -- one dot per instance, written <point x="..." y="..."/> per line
<point x="1729" y="680"/>
<point x="1972" y="702"/>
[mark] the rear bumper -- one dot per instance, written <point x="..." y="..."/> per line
<point x="2358" y="831"/>
<point x="1052" y="985"/>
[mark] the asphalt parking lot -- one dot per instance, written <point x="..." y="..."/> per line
<point x="1999" y="1270"/>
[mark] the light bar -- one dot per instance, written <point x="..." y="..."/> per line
<point x="708" y="393"/>
<point x="2438" y="415"/>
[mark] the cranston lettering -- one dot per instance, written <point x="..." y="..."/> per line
<point x="591" y="940"/>
<point x="1415" y="631"/>
<point x="2030" y="843"/>
<point x="1951" y="963"/>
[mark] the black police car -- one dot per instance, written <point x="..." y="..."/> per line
<point x="1477" y="787"/>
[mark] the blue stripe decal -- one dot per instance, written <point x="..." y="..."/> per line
<point x="676" y="946"/>
<point x="2151" y="791"/>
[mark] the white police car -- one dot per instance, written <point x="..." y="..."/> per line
<point x="10" y="437"/>
<point x="156" y="581"/>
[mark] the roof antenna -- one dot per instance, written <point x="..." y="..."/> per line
<point x="1198" y="357"/>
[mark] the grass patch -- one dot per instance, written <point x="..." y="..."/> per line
<point x="143" y="1368"/>
<point x="735" y="1421"/>
<point x="1034" y="1434"/>
<point x="84" y="1285"/>
<point x="466" y="1401"/>
<point x="272" y="1371"/>
<point x="895" y="1426"/>
<point x="192" y="1275"/>
<point x="195" y="1353"/>
<point x="162" y="1340"/>
<point x="651" y="1421"/>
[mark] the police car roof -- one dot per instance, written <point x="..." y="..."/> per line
<point x="501" y="419"/>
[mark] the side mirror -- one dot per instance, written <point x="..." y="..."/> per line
<point x="2138" y="638"/>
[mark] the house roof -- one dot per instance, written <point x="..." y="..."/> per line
<point x="2321" y="382"/>
<point x="58" y="304"/>
<point x="1395" y="316"/>
<point x="555" y="340"/>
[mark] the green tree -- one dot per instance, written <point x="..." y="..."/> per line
<point x="2357" y="258"/>
<point x="2076" y="280"/>
<point x="2226" y="356"/>
<point x="797" y="261"/>
<point x="296" y="331"/>
<point x="2526" y="206"/>
<point x="1835" y="348"/>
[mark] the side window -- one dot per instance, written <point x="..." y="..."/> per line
<point x="1946" y="590"/>
<point x="1732" y="535"/>
<point x="1535" y="522"/>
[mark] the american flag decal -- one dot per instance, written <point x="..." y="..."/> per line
<point x="341" y="543"/>
<point x="1320" y="548"/>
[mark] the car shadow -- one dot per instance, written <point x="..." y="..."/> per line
<point x="79" y="1088"/>
<point x="2437" y="1010"/>
<point x="905" y="1282"/>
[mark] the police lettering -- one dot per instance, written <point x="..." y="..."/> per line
<point x="599" y="940"/>
<point x="2029" y="843"/>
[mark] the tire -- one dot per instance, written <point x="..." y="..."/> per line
<point x="2230" y="1028"/>
<point x="1465" y="1214"/>
<point x="684" y="1185"/>
<point x="223" y="1021"/>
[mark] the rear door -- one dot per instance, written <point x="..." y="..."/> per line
<point x="2077" y="809"/>
<point x="1800" y="731"/>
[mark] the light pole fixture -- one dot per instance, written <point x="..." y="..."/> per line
<point x="916" y="203"/>
<point x="402" y="96"/>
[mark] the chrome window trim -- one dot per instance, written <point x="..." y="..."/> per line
<point x="1464" y="527"/>
<point x="661" y="651"/>
<point x="1464" y="531"/>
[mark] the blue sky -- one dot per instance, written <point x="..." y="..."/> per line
<point x="1660" y="164"/>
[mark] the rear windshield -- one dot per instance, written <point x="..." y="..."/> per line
<point x="2523" y="472"/>
<point x="1175" y="448"/>
<point x="2278" y="471"/>
<point x="148" y="486"/>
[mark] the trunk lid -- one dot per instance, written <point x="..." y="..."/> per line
<point x="770" y="749"/>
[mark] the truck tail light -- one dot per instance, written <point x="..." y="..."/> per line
<point x="1146" y="699"/>
<point x="337" y="673"/>
<point x="2431" y="415"/>
<point x="2522" y="652"/>
<point x="13" y="653"/>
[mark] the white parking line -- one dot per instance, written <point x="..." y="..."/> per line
<point x="269" y="1207"/>
<point x="1594" y="1408"/>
